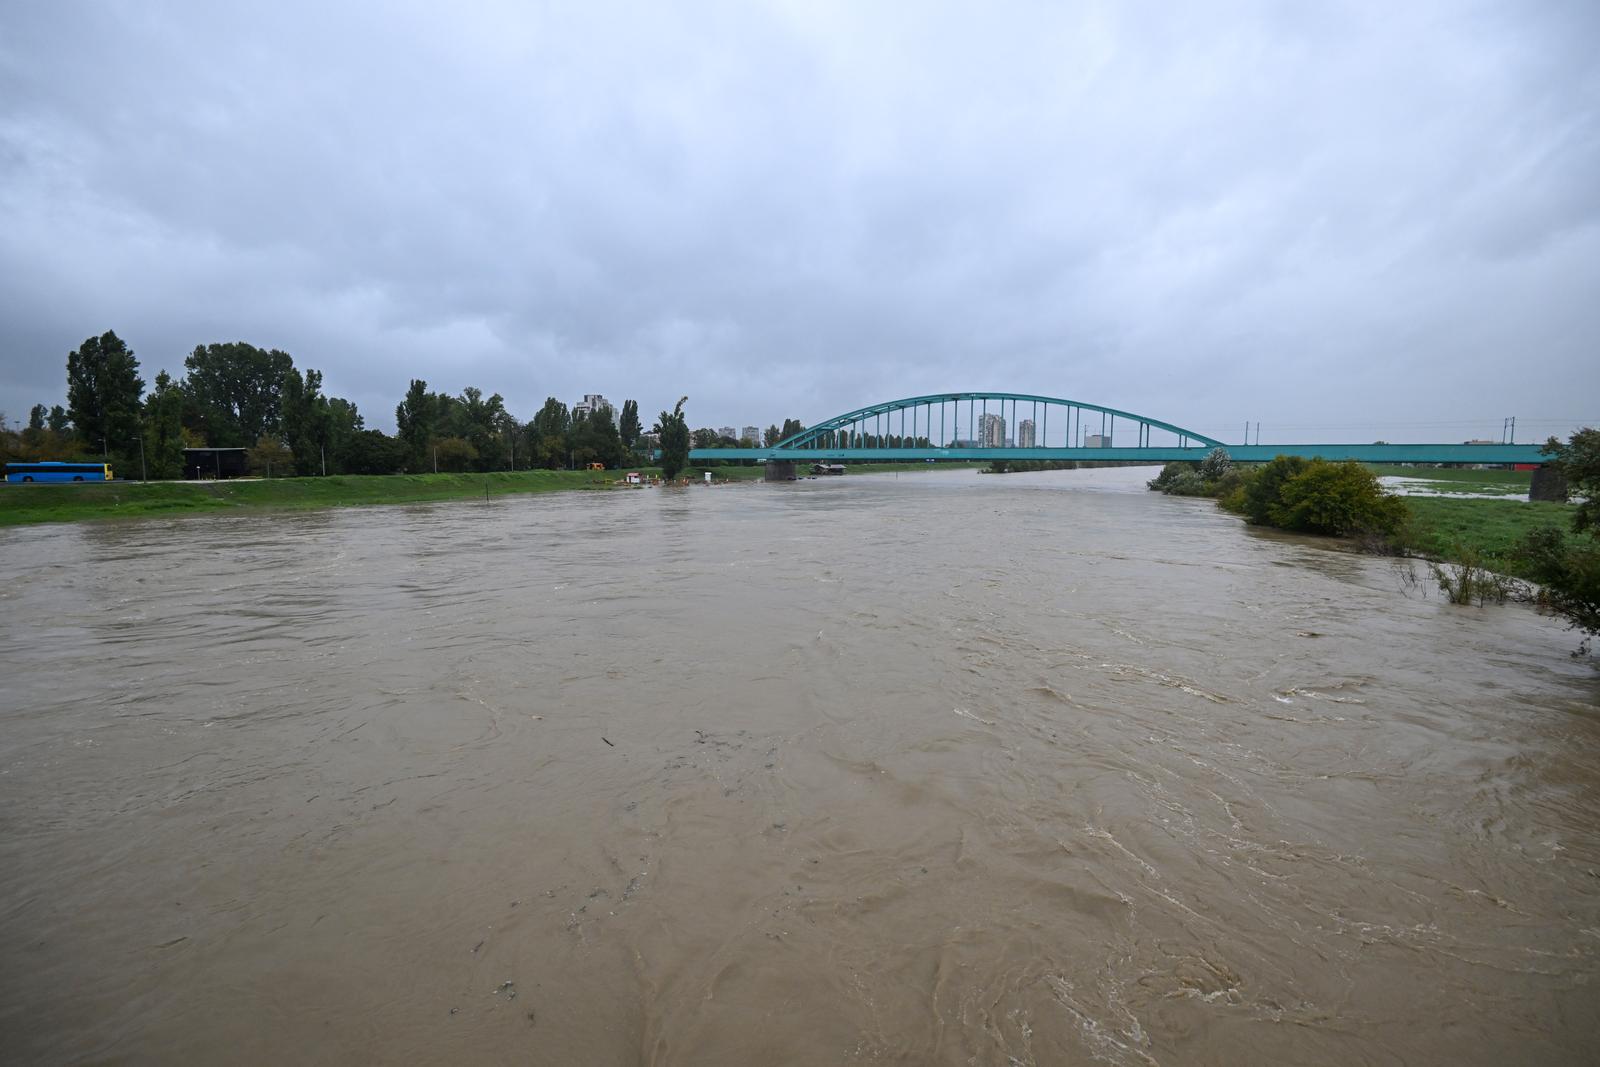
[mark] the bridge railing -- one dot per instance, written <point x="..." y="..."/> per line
<point x="1501" y="454"/>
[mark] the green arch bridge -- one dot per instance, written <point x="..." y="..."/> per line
<point x="1020" y="426"/>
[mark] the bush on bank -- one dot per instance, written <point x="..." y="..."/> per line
<point x="1568" y="566"/>
<point x="1290" y="493"/>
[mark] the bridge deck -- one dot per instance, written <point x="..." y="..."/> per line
<point x="1387" y="453"/>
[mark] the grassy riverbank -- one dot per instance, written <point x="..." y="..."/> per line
<point x="67" y="503"/>
<point x="1448" y="528"/>
<point x="23" y="504"/>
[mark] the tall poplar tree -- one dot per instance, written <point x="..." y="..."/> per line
<point x="673" y="429"/>
<point x="163" y="428"/>
<point x="628" y="428"/>
<point x="103" y="394"/>
<point x="414" y="422"/>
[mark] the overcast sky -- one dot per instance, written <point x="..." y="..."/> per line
<point x="1345" y="220"/>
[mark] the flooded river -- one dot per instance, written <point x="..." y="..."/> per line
<point x="921" y="769"/>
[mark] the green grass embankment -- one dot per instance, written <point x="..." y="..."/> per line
<point x="1446" y="528"/>
<point x="23" y="504"/>
<point x="68" y="503"/>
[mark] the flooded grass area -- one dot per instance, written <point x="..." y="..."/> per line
<point x="1453" y="481"/>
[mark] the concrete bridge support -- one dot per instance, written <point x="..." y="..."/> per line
<point x="1548" y="484"/>
<point x="780" y="470"/>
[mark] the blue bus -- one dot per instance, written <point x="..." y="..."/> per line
<point x="55" y="471"/>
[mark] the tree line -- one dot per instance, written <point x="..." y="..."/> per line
<point x="236" y="395"/>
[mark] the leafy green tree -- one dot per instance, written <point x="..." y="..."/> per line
<point x="32" y="444"/>
<point x="36" y="417"/>
<point x="1568" y="568"/>
<point x="163" y="428"/>
<point x="509" y="431"/>
<point x="790" y="428"/>
<point x="593" y="438"/>
<point x="374" y="452"/>
<point x="672" y="429"/>
<point x="238" y="391"/>
<point x="1170" y="474"/>
<point x="270" y="459"/>
<point x="414" y="420"/>
<point x="1337" y="499"/>
<point x="1262" y="492"/>
<point x="1579" y="462"/>
<point x="454" y="454"/>
<point x="704" y="438"/>
<point x="307" y="422"/>
<point x="58" y="420"/>
<point x="629" y="429"/>
<point x="1216" y="464"/>
<point x="480" y="420"/>
<point x="771" y="436"/>
<point x="547" y="435"/>
<point x="344" y="423"/>
<point x="104" y="392"/>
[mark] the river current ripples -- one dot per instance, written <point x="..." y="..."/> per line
<point x="924" y="769"/>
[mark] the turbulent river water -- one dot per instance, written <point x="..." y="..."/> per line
<point x="945" y="769"/>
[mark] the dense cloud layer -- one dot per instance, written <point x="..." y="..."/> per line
<point x="1346" y="221"/>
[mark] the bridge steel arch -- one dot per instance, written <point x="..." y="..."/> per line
<point x="842" y="432"/>
<point x="906" y="429"/>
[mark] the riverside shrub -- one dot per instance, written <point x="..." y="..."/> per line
<point x="1316" y="496"/>
<point x="1337" y="499"/>
<point x="1311" y="496"/>
<point x="1568" y="567"/>
<point x="1214" y="476"/>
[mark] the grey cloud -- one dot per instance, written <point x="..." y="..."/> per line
<point x="1356" y="215"/>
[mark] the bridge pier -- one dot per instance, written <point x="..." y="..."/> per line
<point x="780" y="470"/>
<point x="1548" y="484"/>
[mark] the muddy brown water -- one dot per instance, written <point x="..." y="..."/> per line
<point x="943" y="769"/>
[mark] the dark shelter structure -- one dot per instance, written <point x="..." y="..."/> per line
<point x="206" y="463"/>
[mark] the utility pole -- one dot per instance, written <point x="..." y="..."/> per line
<point x="323" y="451"/>
<point x="436" y="459"/>
<point x="142" y="477"/>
